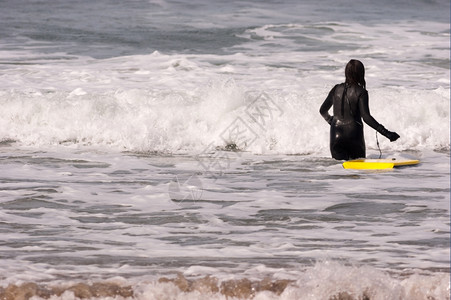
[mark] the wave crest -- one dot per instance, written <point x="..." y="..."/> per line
<point x="221" y="115"/>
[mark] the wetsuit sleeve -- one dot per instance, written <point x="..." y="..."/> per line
<point x="327" y="104"/>
<point x="365" y="111"/>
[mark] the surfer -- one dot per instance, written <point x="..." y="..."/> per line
<point x="350" y="106"/>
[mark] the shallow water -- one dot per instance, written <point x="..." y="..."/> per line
<point x="72" y="215"/>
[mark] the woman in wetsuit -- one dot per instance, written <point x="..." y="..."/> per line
<point x="350" y="106"/>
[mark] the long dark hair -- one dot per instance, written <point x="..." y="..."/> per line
<point x="355" y="73"/>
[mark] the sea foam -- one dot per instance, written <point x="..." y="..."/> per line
<point x="219" y="114"/>
<point x="325" y="280"/>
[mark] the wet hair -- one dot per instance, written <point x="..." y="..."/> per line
<point x="355" y="73"/>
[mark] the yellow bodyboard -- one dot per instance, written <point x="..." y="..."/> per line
<point x="378" y="164"/>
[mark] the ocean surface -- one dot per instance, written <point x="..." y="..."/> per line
<point x="175" y="150"/>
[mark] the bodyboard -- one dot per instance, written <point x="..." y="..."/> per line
<point x="378" y="164"/>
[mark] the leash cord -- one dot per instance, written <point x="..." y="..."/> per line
<point x="378" y="147"/>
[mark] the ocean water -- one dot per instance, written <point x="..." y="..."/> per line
<point x="175" y="150"/>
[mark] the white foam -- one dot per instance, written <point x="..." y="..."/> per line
<point x="191" y="121"/>
<point x="325" y="280"/>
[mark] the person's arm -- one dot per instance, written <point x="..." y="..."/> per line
<point x="365" y="111"/>
<point x="327" y="104"/>
<point x="366" y="116"/>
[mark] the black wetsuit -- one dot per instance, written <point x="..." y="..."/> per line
<point x="350" y="106"/>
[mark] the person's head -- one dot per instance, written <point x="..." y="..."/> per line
<point x="355" y="73"/>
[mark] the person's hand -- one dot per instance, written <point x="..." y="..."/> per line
<point x="392" y="136"/>
<point x="330" y="119"/>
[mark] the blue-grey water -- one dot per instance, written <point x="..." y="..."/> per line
<point x="174" y="150"/>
